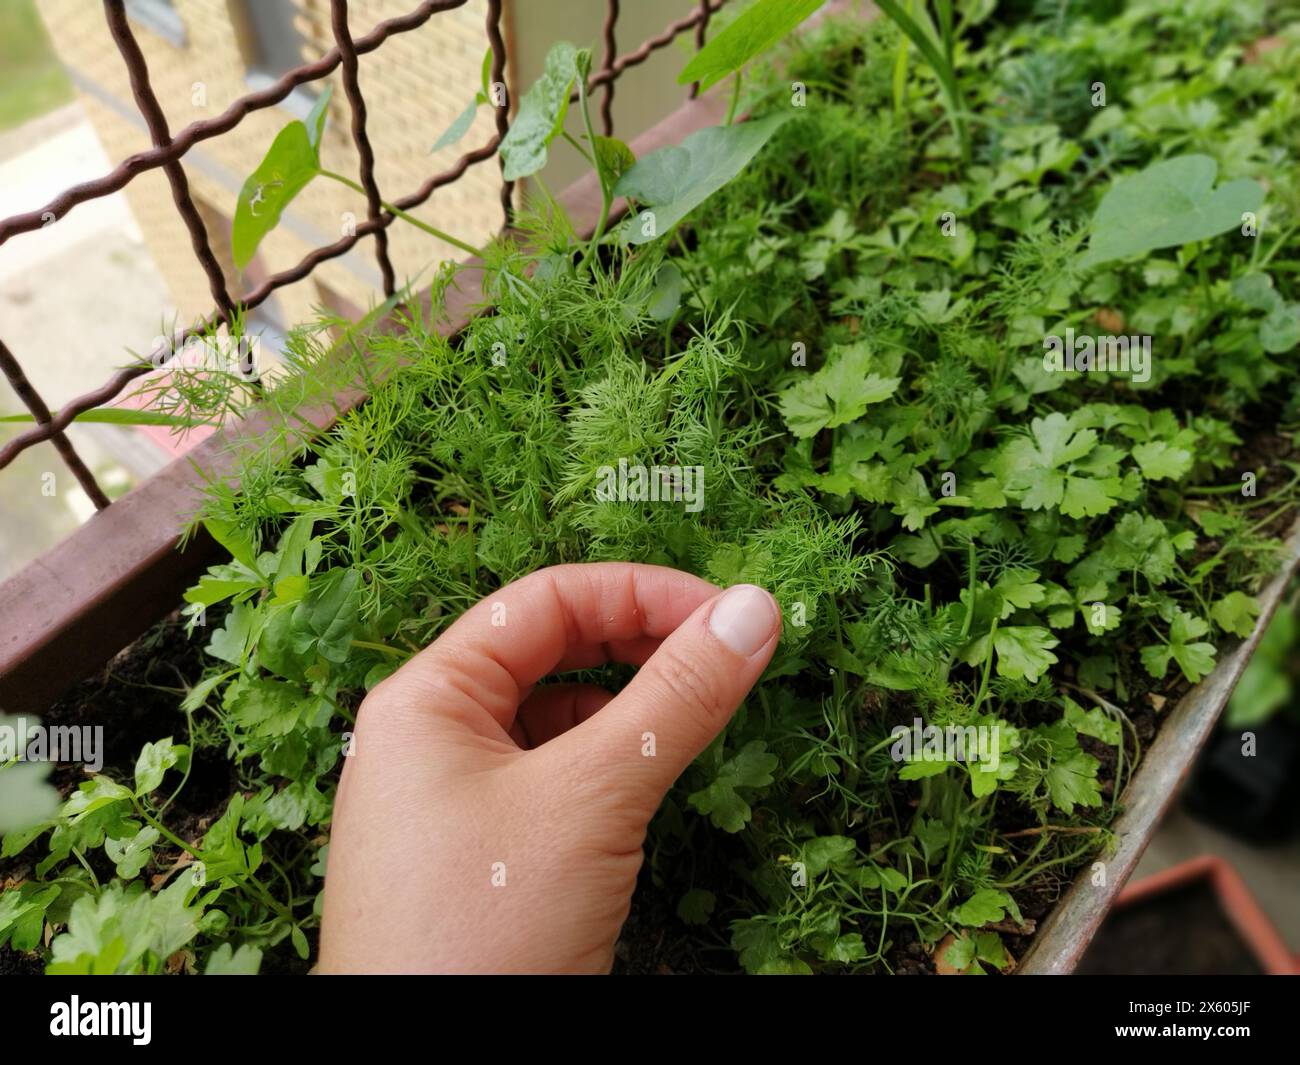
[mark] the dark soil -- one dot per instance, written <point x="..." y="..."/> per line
<point x="1182" y="933"/>
<point x="136" y="699"/>
<point x="13" y="963"/>
<point x="656" y="942"/>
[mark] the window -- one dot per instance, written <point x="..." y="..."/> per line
<point x="277" y="44"/>
<point x="159" y="16"/>
<point x="271" y="45"/>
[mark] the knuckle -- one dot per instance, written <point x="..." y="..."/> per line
<point x="689" y="681"/>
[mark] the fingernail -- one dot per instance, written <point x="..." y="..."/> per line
<point x="744" y="618"/>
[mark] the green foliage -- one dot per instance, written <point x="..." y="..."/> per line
<point x="287" y="168"/>
<point x="1171" y="202"/>
<point x="459" y="127"/>
<point x="1195" y="659"/>
<point x="541" y="113"/>
<point x="755" y="30"/>
<point x="986" y="906"/>
<point x="26" y="797"/>
<point x="228" y="962"/>
<point x="115" y="416"/>
<point x="125" y="930"/>
<point x="937" y="44"/>
<point x="849" y="341"/>
<point x="839" y="392"/>
<point x="673" y="181"/>
<point x="721" y="800"/>
<point x="1268" y="684"/>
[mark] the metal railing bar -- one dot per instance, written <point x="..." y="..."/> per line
<point x="701" y="28"/>
<point x="497" y="40"/>
<point x="650" y="46"/>
<point x="365" y="153"/>
<point x="192" y="134"/>
<point x="32" y="399"/>
<point x="611" y="53"/>
<point x="147" y="101"/>
<point x="119" y="572"/>
<point x="223" y="123"/>
<point x="198" y="161"/>
<point x="445" y="178"/>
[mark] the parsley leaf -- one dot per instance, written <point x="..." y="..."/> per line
<point x="839" y="392"/>
<point x="751" y="767"/>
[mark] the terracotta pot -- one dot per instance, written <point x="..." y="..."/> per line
<point x="1250" y="922"/>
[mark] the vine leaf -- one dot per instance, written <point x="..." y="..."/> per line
<point x="1170" y="203"/>
<point x="675" y="180"/>
<point x="541" y="114"/>
<point x="453" y="133"/>
<point x="288" y="166"/>
<point x="754" y="31"/>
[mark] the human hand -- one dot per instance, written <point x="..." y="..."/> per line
<point x="486" y="823"/>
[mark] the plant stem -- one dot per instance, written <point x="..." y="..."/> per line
<point x="988" y="668"/>
<point x="165" y="832"/>
<point x="1286" y="234"/>
<point x="970" y="569"/>
<point x="86" y="865"/>
<point x="189" y="763"/>
<point x="606" y="199"/>
<point x="735" y="98"/>
<point x="383" y="648"/>
<point x="1065" y="830"/>
<point x="577" y="145"/>
<point x="264" y="893"/>
<point x="433" y="231"/>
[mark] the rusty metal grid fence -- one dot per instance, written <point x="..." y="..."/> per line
<point x="168" y="151"/>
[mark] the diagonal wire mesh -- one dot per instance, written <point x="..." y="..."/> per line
<point x="168" y="150"/>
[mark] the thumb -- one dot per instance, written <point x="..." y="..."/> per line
<point x="644" y="738"/>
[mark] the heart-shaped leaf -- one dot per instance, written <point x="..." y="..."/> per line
<point x="666" y="296"/>
<point x="541" y="114"/>
<point x="289" y="164"/>
<point x="1280" y="331"/>
<point x="1170" y="203"/>
<point x="613" y="160"/>
<point x="675" y="180"/>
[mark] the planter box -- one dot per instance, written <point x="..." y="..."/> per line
<point x="1065" y="935"/>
